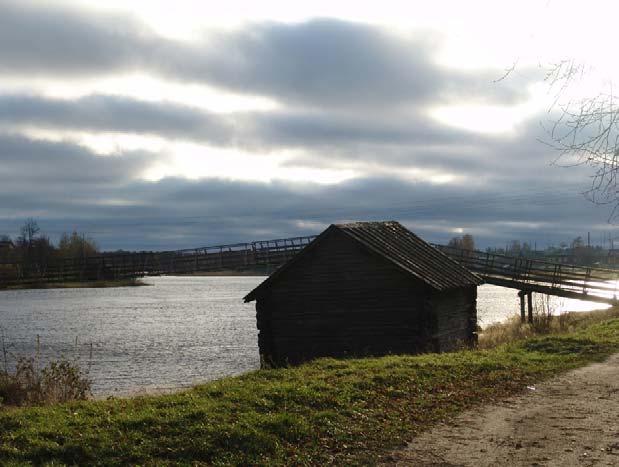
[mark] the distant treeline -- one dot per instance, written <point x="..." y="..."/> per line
<point x="577" y="251"/>
<point x="34" y="249"/>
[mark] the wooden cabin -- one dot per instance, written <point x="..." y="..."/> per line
<point x="366" y="288"/>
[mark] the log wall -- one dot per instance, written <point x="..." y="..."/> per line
<point x="454" y="318"/>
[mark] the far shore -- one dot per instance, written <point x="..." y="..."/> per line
<point x="229" y="272"/>
<point x="77" y="285"/>
<point x="100" y="284"/>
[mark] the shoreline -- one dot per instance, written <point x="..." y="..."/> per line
<point x="77" y="285"/>
<point x="226" y="273"/>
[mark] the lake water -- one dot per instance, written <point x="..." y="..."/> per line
<point x="177" y="332"/>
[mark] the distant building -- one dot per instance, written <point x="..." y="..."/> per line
<point x="367" y="288"/>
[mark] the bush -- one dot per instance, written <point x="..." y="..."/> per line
<point x="60" y="380"/>
<point x="543" y="314"/>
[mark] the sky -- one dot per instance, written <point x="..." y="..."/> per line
<point x="164" y="125"/>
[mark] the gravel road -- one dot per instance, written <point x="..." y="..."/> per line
<point x="569" y="420"/>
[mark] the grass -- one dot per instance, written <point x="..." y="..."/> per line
<point x="545" y="321"/>
<point x="343" y="412"/>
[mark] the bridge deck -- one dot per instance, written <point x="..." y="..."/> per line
<point x="533" y="275"/>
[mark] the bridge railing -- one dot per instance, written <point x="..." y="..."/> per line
<point x="232" y="256"/>
<point x="525" y="270"/>
<point x="54" y="269"/>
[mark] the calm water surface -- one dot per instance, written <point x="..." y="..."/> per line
<point x="177" y="332"/>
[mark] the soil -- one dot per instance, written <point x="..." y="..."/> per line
<point x="569" y="420"/>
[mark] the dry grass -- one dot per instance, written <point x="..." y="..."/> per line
<point x="545" y="321"/>
<point x="59" y="381"/>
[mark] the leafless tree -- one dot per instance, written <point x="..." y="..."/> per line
<point x="585" y="129"/>
<point x="28" y="233"/>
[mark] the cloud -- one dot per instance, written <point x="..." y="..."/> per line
<point x="322" y="63"/>
<point x="116" y="114"/>
<point x="56" y="178"/>
<point x="249" y="130"/>
<point x="64" y="162"/>
<point x="56" y="41"/>
<point x="323" y="140"/>
<point x="332" y="63"/>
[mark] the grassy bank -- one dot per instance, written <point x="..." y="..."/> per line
<point x="342" y="412"/>
<point x="75" y="285"/>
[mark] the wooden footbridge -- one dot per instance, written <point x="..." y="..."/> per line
<point x="524" y="274"/>
<point x="260" y="256"/>
<point x="530" y="275"/>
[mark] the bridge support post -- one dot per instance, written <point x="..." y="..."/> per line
<point x="528" y="316"/>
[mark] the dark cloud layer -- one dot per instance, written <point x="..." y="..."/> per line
<point x="254" y="130"/>
<point x="66" y="186"/>
<point x="27" y="162"/>
<point x="325" y="138"/>
<point x="47" y="41"/>
<point x="116" y="114"/>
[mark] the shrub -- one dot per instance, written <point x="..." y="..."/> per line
<point x="543" y="313"/>
<point x="61" y="380"/>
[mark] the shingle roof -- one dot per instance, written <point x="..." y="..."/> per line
<point x="412" y="254"/>
<point x="401" y="247"/>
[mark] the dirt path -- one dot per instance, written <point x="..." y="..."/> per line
<point x="569" y="420"/>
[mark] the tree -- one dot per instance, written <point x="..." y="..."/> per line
<point x="77" y="245"/>
<point x="466" y="242"/>
<point x="578" y="242"/>
<point x="585" y="129"/>
<point x="6" y="246"/>
<point x="28" y="233"/>
<point x="514" y="248"/>
<point x="583" y="123"/>
<point x="34" y="249"/>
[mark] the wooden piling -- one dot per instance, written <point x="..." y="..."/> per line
<point x="522" y="315"/>
<point x="530" y="306"/>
